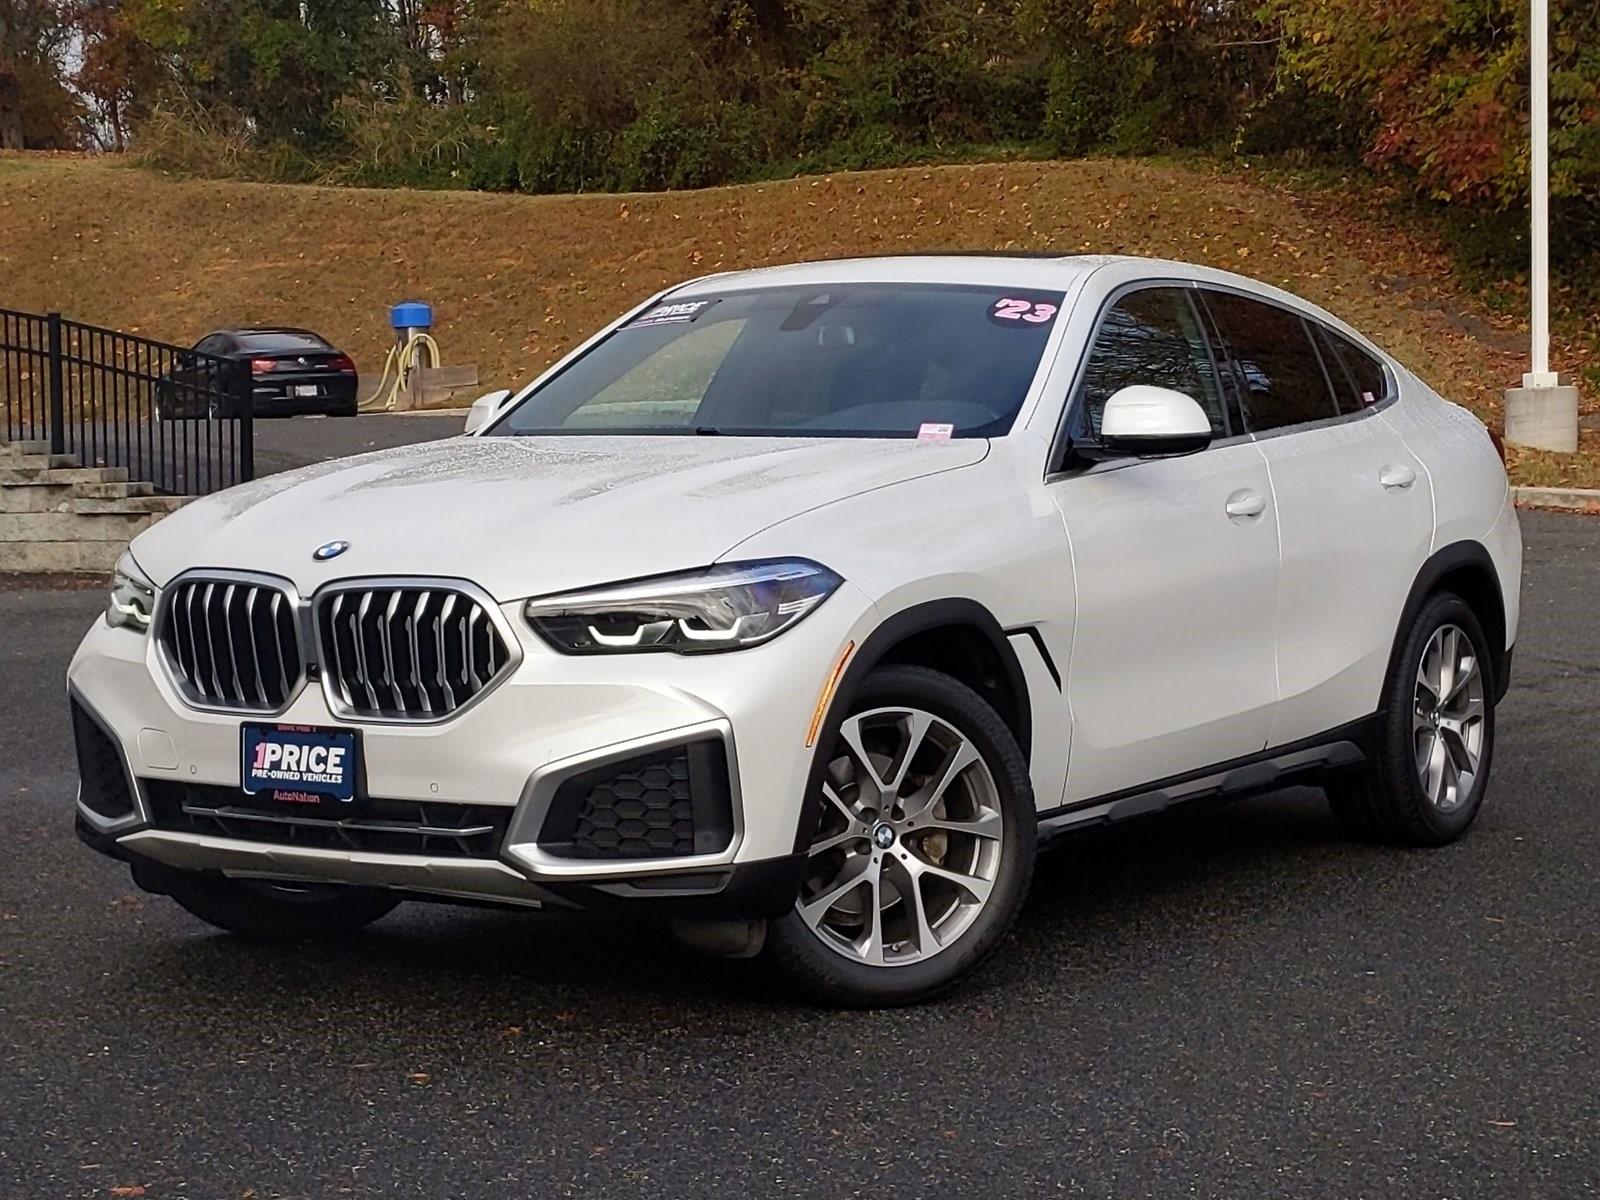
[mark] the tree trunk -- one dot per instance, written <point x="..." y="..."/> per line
<point x="10" y="116"/>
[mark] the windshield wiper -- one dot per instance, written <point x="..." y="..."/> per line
<point x="707" y="431"/>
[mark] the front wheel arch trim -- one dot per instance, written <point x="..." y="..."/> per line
<point x="906" y="623"/>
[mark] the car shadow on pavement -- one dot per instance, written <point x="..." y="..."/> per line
<point x="1155" y="887"/>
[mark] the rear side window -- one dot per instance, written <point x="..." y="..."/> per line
<point x="1358" y="378"/>
<point x="1154" y="337"/>
<point x="1280" y="373"/>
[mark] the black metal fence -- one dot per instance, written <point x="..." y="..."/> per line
<point x="176" y="418"/>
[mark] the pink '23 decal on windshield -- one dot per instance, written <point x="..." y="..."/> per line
<point x="1030" y="312"/>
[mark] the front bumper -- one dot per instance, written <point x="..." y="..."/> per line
<point x="552" y="719"/>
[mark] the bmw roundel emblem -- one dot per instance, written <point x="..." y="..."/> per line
<point x="329" y="550"/>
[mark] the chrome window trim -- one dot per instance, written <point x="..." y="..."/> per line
<point x="297" y="608"/>
<point x="369" y="583"/>
<point x="520" y="848"/>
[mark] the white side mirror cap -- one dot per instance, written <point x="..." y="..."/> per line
<point x="484" y="410"/>
<point x="1152" y="421"/>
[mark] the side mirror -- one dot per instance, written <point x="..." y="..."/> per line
<point x="484" y="410"/>
<point x="1153" y="422"/>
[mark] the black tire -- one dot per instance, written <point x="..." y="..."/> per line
<point x="269" y="912"/>
<point x="826" y="975"/>
<point x="1385" y="801"/>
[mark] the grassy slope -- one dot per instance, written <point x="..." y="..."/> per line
<point x="516" y="280"/>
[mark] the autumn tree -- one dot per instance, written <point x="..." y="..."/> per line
<point x="36" y="106"/>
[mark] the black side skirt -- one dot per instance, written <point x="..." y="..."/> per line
<point x="1304" y="761"/>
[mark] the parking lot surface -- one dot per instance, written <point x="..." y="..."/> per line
<point x="282" y="445"/>
<point x="1226" y="1003"/>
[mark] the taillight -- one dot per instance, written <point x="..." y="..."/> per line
<point x="342" y="362"/>
<point x="260" y="366"/>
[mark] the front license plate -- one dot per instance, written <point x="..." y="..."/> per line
<point x="300" y="764"/>
<point x="306" y="390"/>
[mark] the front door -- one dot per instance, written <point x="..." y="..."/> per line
<point x="1175" y="563"/>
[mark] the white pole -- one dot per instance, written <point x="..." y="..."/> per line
<point x="1539" y="50"/>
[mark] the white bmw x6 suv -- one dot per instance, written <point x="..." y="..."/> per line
<point x="799" y="605"/>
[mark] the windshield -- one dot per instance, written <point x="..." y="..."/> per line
<point x="850" y="360"/>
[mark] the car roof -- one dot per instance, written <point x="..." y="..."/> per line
<point x="983" y="267"/>
<point x="1006" y="268"/>
<point x="1046" y="270"/>
<point x="247" y="330"/>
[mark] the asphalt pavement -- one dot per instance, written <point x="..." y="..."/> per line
<point x="1234" y="1003"/>
<point x="285" y="443"/>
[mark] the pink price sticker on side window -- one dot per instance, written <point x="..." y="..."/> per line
<point x="928" y="432"/>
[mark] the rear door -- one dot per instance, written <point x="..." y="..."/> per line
<point x="1175" y="563"/>
<point x="1355" y="510"/>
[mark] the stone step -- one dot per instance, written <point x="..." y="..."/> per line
<point x="59" y="557"/>
<point x="127" y="504"/>
<point x="24" y="476"/>
<point x="72" y="526"/>
<point x="10" y="450"/>
<point x="112" y="491"/>
<point x="85" y="497"/>
<point x="40" y="498"/>
<point x="16" y="461"/>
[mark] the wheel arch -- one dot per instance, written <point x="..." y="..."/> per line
<point x="1466" y="569"/>
<point x="957" y="636"/>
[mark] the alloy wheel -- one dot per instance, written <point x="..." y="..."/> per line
<point x="1448" y="718"/>
<point x="909" y="844"/>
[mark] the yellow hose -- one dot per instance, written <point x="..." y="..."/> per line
<point x="402" y="360"/>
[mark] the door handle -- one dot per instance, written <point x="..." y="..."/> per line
<point x="1246" y="503"/>
<point x="1397" y="478"/>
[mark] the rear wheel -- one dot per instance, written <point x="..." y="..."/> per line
<point x="1426" y="784"/>
<point x="923" y="852"/>
<point x="279" y="912"/>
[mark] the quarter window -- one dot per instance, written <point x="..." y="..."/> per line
<point x="1154" y="337"/>
<point x="1279" y="371"/>
<point x="1358" y="378"/>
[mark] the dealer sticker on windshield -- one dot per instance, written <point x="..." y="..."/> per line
<point x="677" y="313"/>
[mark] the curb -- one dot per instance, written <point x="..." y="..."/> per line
<point x="1568" y="499"/>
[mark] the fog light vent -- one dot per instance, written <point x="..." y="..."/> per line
<point x="669" y="803"/>
<point x="103" y="784"/>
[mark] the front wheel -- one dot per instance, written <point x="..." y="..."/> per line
<point x="1436" y="740"/>
<point x="923" y="851"/>
<point x="279" y="912"/>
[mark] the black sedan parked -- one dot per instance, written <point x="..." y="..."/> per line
<point x="291" y="371"/>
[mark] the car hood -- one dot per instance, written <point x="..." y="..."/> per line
<point x="530" y="516"/>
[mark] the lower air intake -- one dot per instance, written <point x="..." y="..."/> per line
<point x="669" y="803"/>
<point x="102" y="782"/>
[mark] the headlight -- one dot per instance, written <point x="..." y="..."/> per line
<point x="720" y="608"/>
<point x="133" y="597"/>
